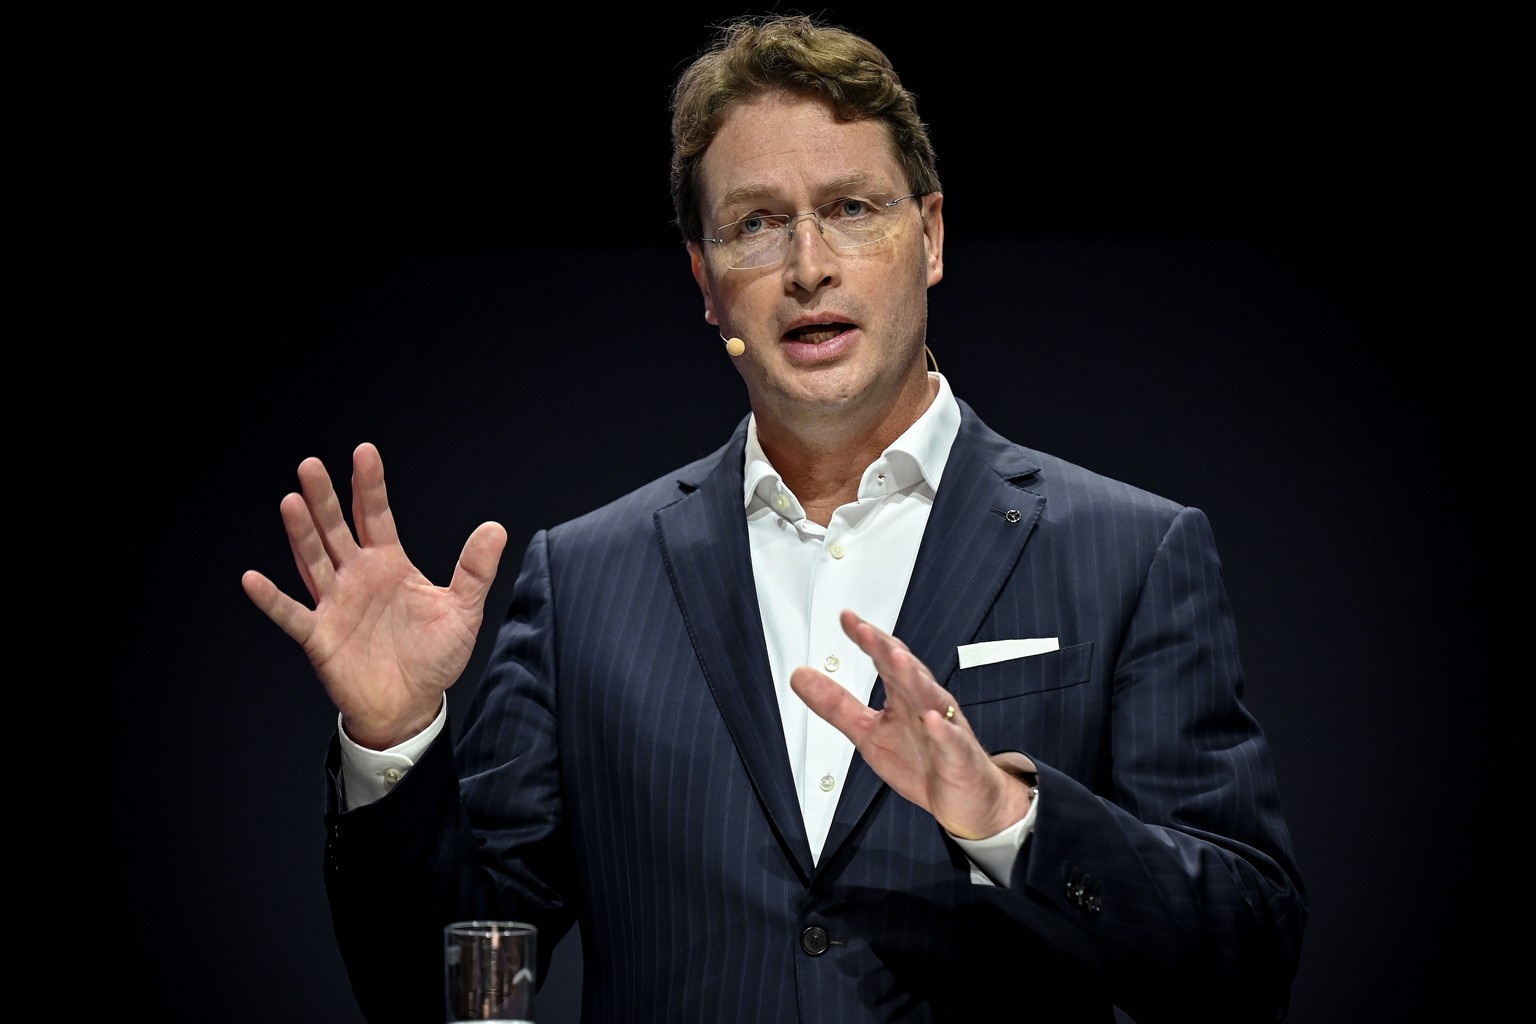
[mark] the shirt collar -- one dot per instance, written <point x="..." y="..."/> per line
<point x="915" y="458"/>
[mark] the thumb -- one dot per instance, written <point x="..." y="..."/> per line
<point x="478" y="562"/>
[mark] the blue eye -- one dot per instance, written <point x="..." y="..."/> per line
<point x="845" y="208"/>
<point x="847" y="224"/>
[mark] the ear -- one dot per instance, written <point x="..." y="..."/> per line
<point x="701" y="276"/>
<point x="933" y="236"/>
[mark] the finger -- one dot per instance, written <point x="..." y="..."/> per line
<point x="909" y="685"/>
<point x="291" y="616"/>
<point x="370" y="500"/>
<point x="309" y="553"/>
<point x="476" y="570"/>
<point x="831" y="701"/>
<point x="325" y="510"/>
<point x="856" y="627"/>
<point x="883" y="648"/>
<point x="947" y="728"/>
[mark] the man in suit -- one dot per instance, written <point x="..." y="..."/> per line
<point x="871" y="715"/>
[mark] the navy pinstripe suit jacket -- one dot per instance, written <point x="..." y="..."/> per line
<point x="622" y="765"/>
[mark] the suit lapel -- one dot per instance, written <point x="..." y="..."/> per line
<point x="718" y="598"/>
<point x="981" y="518"/>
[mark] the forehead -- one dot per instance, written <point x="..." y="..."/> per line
<point x="782" y="148"/>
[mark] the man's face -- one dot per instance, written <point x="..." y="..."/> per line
<point x="827" y="334"/>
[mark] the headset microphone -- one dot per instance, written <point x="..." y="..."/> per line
<point x="735" y="346"/>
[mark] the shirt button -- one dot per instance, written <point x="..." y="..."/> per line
<point x="837" y="551"/>
<point x="832" y="664"/>
<point x="392" y="775"/>
<point x="781" y="502"/>
<point x="827" y="782"/>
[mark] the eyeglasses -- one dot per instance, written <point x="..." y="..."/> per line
<point x="846" y="223"/>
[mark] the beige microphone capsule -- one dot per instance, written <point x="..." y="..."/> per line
<point x="735" y="346"/>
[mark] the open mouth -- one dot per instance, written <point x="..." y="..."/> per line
<point x="815" y="334"/>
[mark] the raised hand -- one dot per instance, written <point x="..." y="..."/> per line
<point x="384" y="640"/>
<point x="922" y="751"/>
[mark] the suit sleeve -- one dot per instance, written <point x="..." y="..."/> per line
<point x="472" y="831"/>
<point x="1178" y="888"/>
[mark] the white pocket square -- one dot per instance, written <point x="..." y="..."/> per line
<point x="992" y="651"/>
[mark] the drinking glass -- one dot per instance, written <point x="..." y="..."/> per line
<point x="488" y="971"/>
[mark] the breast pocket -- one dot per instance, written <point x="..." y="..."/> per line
<point x="1037" y="703"/>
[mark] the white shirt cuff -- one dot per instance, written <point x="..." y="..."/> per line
<point x="992" y="858"/>
<point x="367" y="775"/>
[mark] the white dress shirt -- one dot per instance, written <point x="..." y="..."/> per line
<point x="806" y="575"/>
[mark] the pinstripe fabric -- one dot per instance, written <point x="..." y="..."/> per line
<point x="623" y="765"/>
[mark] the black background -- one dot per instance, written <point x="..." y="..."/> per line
<point x="1225" y="260"/>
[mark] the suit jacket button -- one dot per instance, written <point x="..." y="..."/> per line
<point x="814" y="940"/>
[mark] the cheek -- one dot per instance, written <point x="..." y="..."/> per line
<point x="740" y="303"/>
<point x="909" y="299"/>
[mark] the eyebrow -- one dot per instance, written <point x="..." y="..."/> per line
<point x="856" y="181"/>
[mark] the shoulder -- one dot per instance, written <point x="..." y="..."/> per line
<point x="634" y="510"/>
<point x="1069" y="489"/>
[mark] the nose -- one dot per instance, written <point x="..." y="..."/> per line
<point x="810" y="262"/>
<point x="797" y="218"/>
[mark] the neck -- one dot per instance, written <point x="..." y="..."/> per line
<point x="823" y="459"/>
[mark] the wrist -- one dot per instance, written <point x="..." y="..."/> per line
<point x="1017" y="766"/>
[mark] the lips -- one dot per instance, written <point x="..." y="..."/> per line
<point x="815" y="334"/>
